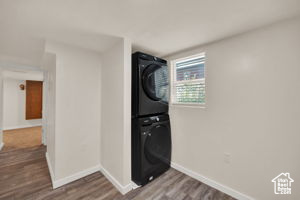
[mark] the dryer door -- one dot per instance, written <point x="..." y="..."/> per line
<point x="157" y="148"/>
<point x="156" y="83"/>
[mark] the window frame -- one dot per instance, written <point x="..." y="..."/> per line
<point x="174" y="81"/>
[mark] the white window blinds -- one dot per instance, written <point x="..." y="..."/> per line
<point x="188" y="81"/>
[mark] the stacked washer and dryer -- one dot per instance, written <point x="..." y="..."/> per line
<point x="151" y="133"/>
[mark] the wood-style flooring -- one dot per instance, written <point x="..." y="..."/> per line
<point x="22" y="138"/>
<point x="24" y="175"/>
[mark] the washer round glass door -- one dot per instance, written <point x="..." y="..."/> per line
<point x="157" y="147"/>
<point x="156" y="83"/>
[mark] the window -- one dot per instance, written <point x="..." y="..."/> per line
<point x="188" y="80"/>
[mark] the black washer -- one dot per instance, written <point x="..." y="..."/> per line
<point x="158" y="144"/>
<point x="151" y="148"/>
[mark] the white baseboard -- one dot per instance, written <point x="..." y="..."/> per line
<point x="50" y="168"/>
<point x="1" y="145"/>
<point x="135" y="186"/>
<point x="123" y="189"/>
<point x="212" y="183"/>
<point x="74" y="177"/>
<point x="18" y="127"/>
<point x="68" y="179"/>
<point x="58" y="183"/>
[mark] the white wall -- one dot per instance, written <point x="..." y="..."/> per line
<point x="49" y="95"/>
<point x="77" y="109"/>
<point x="127" y="112"/>
<point x="14" y="106"/>
<point x="252" y="112"/>
<point x="116" y="113"/>
<point x="1" y="109"/>
<point x="23" y="74"/>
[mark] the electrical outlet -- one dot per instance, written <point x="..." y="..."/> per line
<point x="227" y="158"/>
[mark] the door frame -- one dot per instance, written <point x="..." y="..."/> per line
<point x="13" y="67"/>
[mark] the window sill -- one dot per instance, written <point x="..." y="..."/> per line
<point x="188" y="105"/>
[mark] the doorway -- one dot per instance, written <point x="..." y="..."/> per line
<point x="22" y="101"/>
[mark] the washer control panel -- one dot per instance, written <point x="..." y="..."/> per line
<point x="153" y="119"/>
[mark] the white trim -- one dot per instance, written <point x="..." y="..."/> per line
<point x="45" y="107"/>
<point x="192" y="81"/>
<point x="211" y="183"/>
<point x="1" y="145"/>
<point x="135" y="186"/>
<point x="44" y="141"/>
<point x="74" y="177"/>
<point x="58" y="183"/>
<point x="68" y="179"/>
<point x="50" y="168"/>
<point x="191" y="57"/>
<point x="123" y="189"/>
<point x="18" y="127"/>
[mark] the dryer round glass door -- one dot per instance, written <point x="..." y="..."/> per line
<point x="156" y="83"/>
<point x="157" y="147"/>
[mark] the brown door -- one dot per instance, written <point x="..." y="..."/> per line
<point x="34" y="99"/>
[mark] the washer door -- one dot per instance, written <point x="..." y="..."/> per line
<point x="156" y="83"/>
<point x="157" y="147"/>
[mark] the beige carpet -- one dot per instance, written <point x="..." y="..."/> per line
<point x="22" y="138"/>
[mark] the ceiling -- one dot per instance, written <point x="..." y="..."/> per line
<point x="160" y="27"/>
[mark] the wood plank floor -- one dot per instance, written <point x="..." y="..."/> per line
<point x="24" y="175"/>
<point x="22" y="138"/>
